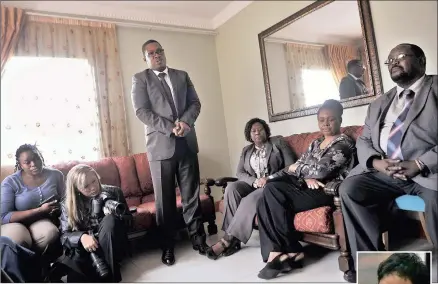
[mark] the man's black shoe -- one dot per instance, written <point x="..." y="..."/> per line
<point x="199" y="244"/>
<point x="168" y="256"/>
<point x="201" y="248"/>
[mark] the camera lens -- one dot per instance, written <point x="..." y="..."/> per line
<point x="115" y="207"/>
<point x="100" y="265"/>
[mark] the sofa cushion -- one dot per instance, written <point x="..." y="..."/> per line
<point x="300" y="142"/>
<point x="107" y="170"/>
<point x="128" y="176"/>
<point x="352" y="131"/>
<point x="148" y="205"/>
<point x="317" y="220"/>
<point x="143" y="173"/>
<point x="65" y="167"/>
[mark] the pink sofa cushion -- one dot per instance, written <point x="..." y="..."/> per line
<point x="148" y="205"/>
<point x="143" y="173"/>
<point x="107" y="170"/>
<point x="315" y="220"/>
<point x="128" y="176"/>
<point x="65" y="167"/>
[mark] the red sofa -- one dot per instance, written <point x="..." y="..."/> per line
<point x="322" y="226"/>
<point x="132" y="175"/>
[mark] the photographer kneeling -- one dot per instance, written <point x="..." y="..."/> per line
<point x="93" y="228"/>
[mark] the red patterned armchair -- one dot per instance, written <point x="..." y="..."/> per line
<point x="323" y="226"/>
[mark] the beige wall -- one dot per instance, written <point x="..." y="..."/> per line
<point x="195" y="54"/>
<point x="241" y="72"/>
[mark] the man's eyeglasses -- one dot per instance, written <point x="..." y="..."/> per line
<point x="398" y="58"/>
<point x="158" y="51"/>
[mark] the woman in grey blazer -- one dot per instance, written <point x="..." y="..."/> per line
<point x="263" y="158"/>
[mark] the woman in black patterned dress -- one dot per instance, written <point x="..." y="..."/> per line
<point x="328" y="158"/>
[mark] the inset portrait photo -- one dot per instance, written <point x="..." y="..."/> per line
<point x="394" y="267"/>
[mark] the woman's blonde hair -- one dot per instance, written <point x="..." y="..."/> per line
<point x="74" y="203"/>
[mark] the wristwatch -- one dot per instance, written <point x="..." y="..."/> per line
<point x="424" y="171"/>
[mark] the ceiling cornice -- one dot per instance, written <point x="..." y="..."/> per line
<point x="129" y="16"/>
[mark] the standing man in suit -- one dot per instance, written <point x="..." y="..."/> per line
<point x="165" y="100"/>
<point x="397" y="153"/>
<point x="352" y="84"/>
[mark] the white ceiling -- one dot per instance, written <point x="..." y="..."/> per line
<point x="337" y="22"/>
<point x="208" y="15"/>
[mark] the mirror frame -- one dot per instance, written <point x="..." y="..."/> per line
<point x="368" y="37"/>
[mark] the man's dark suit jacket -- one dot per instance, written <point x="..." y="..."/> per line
<point x="420" y="132"/>
<point x="153" y="109"/>
<point x="349" y="88"/>
<point x="279" y="155"/>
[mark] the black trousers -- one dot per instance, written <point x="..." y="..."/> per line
<point x="112" y="239"/>
<point x="183" y="168"/>
<point x="276" y="210"/>
<point x="366" y="201"/>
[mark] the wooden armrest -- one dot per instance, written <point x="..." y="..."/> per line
<point x="208" y="181"/>
<point x="223" y="181"/>
<point x="332" y="188"/>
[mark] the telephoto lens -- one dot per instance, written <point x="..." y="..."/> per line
<point x="100" y="265"/>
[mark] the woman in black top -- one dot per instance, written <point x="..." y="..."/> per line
<point x="328" y="158"/>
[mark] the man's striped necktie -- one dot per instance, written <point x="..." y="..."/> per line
<point x="395" y="136"/>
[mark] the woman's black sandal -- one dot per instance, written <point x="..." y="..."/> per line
<point x="212" y="255"/>
<point x="233" y="247"/>
<point x="277" y="266"/>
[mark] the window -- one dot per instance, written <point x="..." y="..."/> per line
<point x="50" y="102"/>
<point x="318" y="86"/>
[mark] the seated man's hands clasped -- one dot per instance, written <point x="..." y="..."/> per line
<point x="181" y="129"/>
<point x="403" y="170"/>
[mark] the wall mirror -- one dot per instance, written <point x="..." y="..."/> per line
<point x="327" y="50"/>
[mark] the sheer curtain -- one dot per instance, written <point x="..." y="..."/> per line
<point x="95" y="92"/>
<point x="338" y="57"/>
<point x="51" y="102"/>
<point x="310" y="78"/>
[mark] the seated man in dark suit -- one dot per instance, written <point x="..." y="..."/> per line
<point x="397" y="153"/>
<point x="352" y="84"/>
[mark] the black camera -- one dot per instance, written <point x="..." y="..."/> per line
<point x="104" y="200"/>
